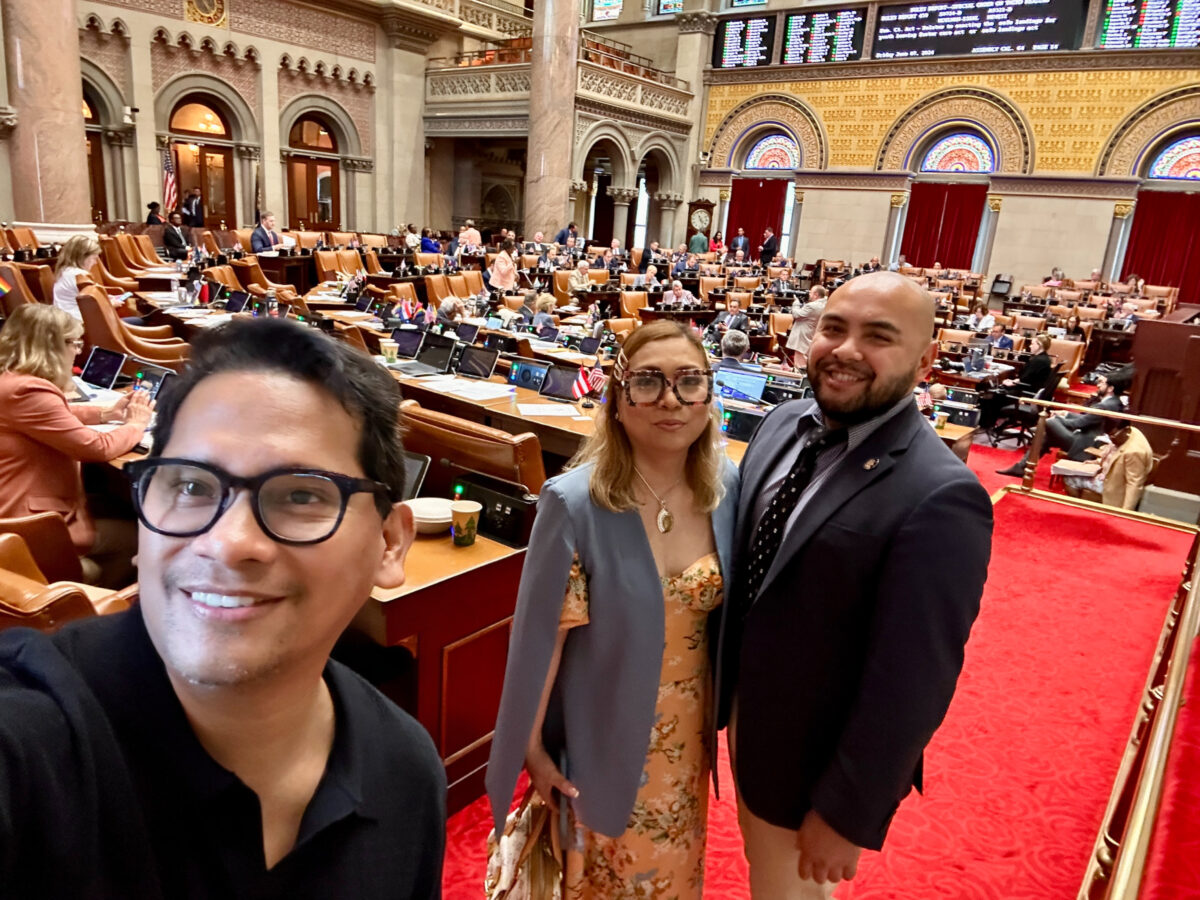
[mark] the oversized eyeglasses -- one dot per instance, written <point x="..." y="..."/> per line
<point x="185" y="498"/>
<point x="645" y="387"/>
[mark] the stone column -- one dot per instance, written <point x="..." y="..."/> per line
<point x="895" y="228"/>
<point x="1118" y="240"/>
<point x="47" y="148"/>
<point x="987" y="234"/>
<point x="667" y="204"/>
<point x="410" y="33"/>
<point x="118" y="139"/>
<point x="622" y="197"/>
<point x="555" y="58"/>
<point x="249" y="176"/>
<point x="794" y="230"/>
<point x="693" y="52"/>
<point x="720" y="222"/>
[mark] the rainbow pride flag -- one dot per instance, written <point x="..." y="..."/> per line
<point x="5" y="287"/>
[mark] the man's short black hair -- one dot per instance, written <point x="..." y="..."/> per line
<point x="365" y="390"/>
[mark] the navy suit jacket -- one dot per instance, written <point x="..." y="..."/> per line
<point x="846" y="661"/>
<point x="259" y="240"/>
<point x="739" y="242"/>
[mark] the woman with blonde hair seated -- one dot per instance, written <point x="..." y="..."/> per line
<point x="544" y="317"/>
<point x="72" y="271"/>
<point x="43" y="439"/>
<point x="609" y="700"/>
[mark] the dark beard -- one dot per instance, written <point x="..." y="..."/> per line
<point x="875" y="401"/>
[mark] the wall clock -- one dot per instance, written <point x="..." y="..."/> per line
<point x="206" y="12"/>
<point x="700" y="217"/>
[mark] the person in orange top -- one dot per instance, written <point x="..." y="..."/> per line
<point x="43" y="439"/>
<point x="503" y="274"/>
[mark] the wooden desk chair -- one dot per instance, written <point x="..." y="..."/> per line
<point x="631" y="304"/>
<point x="489" y="450"/>
<point x="103" y="328"/>
<point x="599" y="276"/>
<point x="437" y="288"/>
<point x="474" y="280"/>
<point x="954" y="335"/>
<point x="709" y="283"/>
<point x="350" y="262"/>
<point x="403" y="291"/>
<point x="48" y="544"/>
<point x="250" y="274"/>
<point x="629" y="278"/>
<point x="562" y="294"/>
<point x="746" y="284"/>
<point x="458" y="286"/>
<point x="20" y="294"/>
<point x="328" y="264"/>
<point x="1037" y="323"/>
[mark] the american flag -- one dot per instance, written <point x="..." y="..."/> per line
<point x="582" y="385"/>
<point x="170" y="184"/>
<point x="597" y="379"/>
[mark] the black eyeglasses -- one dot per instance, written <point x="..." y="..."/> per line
<point x="185" y="498"/>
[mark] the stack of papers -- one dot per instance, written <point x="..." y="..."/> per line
<point x="548" y="409"/>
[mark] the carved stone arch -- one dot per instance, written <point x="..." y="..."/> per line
<point x="1129" y="148"/>
<point x="94" y="22"/>
<point x="111" y="102"/>
<point x="344" y="130"/>
<point x="974" y="108"/>
<point x="233" y="105"/>
<point x="764" y="114"/>
<point x="669" y="179"/>
<point x="624" y="168"/>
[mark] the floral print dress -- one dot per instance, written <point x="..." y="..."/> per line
<point x="661" y="854"/>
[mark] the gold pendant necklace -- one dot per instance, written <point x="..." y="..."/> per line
<point x="664" y="520"/>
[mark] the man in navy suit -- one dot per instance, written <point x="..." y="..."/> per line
<point x="740" y="242"/>
<point x="841" y="646"/>
<point x="193" y="209"/>
<point x="264" y="236"/>
<point x="998" y="339"/>
<point x="564" y="233"/>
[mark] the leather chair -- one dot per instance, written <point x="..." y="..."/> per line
<point x="109" y="281"/>
<point x="1064" y="295"/>
<point x="404" y="290"/>
<point x="528" y="261"/>
<point x="598" y="276"/>
<point x="954" y="335"/>
<point x="104" y="328"/>
<point x="622" y="328"/>
<point x="328" y="264"/>
<point x="111" y="254"/>
<point x="131" y="253"/>
<point x="474" y="280"/>
<point x="427" y="259"/>
<point x="746" y="284"/>
<point x="1089" y="312"/>
<point x="1037" y="323"/>
<point x="436" y="288"/>
<point x="373" y="266"/>
<point x="709" y="269"/>
<point x="306" y="240"/>
<point x="743" y="297"/>
<point x="779" y="324"/>
<point x="709" y="283"/>
<point x="20" y="294"/>
<point x="352" y="335"/>
<point x="342" y="238"/>
<point x="1087" y="285"/>
<point x="374" y="241"/>
<point x="635" y="257"/>
<point x="148" y="252"/>
<point x="243" y="235"/>
<point x="39" y="279"/>
<point x="15" y="557"/>
<point x="350" y="262"/>
<point x="1056" y="309"/>
<point x="513" y="303"/>
<point x="250" y="274"/>
<point x="48" y="543"/>
<point x="223" y="275"/>
<point x="489" y="450"/>
<point x="209" y="243"/>
<point x="628" y="278"/>
<point x="1071" y="354"/>
<point x="458" y="286"/>
<point x="631" y="304"/>
<point x="560" y="285"/>
<point x="22" y="238"/>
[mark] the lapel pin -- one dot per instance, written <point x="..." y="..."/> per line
<point x="870" y="464"/>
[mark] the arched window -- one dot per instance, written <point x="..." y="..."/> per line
<point x="314" y="194"/>
<point x="201" y="141"/>
<point x="775" y="151"/>
<point x="1179" y="159"/>
<point x="606" y="9"/>
<point x="959" y="152"/>
<point x="94" y="144"/>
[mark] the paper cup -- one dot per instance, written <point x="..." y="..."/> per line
<point x="464" y="521"/>
<point x="942" y="419"/>
<point x="388" y="348"/>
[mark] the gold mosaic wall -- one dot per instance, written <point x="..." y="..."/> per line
<point x="1072" y="114"/>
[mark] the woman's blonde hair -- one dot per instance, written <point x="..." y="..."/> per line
<point x="32" y="340"/>
<point x="611" y="454"/>
<point x="75" y="251"/>
<point x="546" y="303"/>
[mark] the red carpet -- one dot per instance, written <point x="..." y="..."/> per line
<point x="1173" y="866"/>
<point x="1018" y="776"/>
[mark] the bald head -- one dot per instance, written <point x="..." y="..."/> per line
<point x="901" y="295"/>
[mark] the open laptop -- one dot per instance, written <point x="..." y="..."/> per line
<point x="237" y="301"/>
<point x="408" y="342"/>
<point x="549" y="334"/>
<point x="432" y="359"/>
<point x="527" y="373"/>
<point x="495" y="323"/>
<point x="477" y="362"/>
<point x="738" y="384"/>
<point x="466" y="332"/>
<point x="415" y="467"/>
<point x="102" y="368"/>
<point x="147" y="376"/>
<point x="559" y="383"/>
<point x="589" y="346"/>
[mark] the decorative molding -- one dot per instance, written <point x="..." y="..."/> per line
<point x="1083" y="187"/>
<point x="990" y="111"/>
<point x="358" y="163"/>
<point x="8" y="121"/>
<point x="1122" y="210"/>
<point x="479" y="84"/>
<point x="484" y="15"/>
<point x="622" y="196"/>
<point x="1125" y="151"/>
<point x="696" y="22"/>
<point x="994" y="203"/>
<point x="843" y="179"/>
<point x="330" y="72"/>
<point x="120" y="137"/>
<point x="577" y="188"/>
<point x="667" y="199"/>
<point x="470" y="126"/>
<point x="252" y="152"/>
<point x="771" y="112"/>
<point x="162" y="142"/>
<point x="898" y="200"/>
<point x="1073" y="60"/>
<point x="724" y="194"/>
<point x="337" y="33"/>
<point x="602" y="110"/>
<point x="630" y="90"/>
<point x="798" y="195"/>
<point x="721" y="178"/>
<point x="408" y="29"/>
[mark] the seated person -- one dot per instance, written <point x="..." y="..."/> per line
<point x="538" y="244"/>
<point x="612" y="262"/>
<point x="450" y="311"/>
<point x="1125" y="460"/>
<point x="781" y="283"/>
<point x="734" y="347"/>
<point x="203" y="743"/>
<point x="933" y="396"/>
<point x="681" y="252"/>
<point x="615" y="249"/>
<point x="43" y="439"/>
<point x="648" y="280"/>
<point x="155" y="216"/>
<point x="580" y="280"/>
<point x="1055" y="278"/>
<point x="429" y="244"/>
<point x="264" y="237"/>
<point x="72" y="271"/>
<point x="873" y="266"/>
<point x="651" y="256"/>
<point x="1074" y="328"/>
<point x="732" y="318"/>
<point x="981" y="318"/>
<point x="569" y="252"/>
<point x="736" y="259"/>
<point x="174" y="242"/>
<point x="686" y="263"/>
<point x="677" y="296"/>
<point x="998" y="339"/>
<point x="544" y="317"/>
<point x="546" y="258"/>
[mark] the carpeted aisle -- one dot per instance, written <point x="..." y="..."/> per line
<point x="1018" y="776"/>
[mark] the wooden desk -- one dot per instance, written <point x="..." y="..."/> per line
<point x="699" y="316"/>
<point x="454" y="614"/>
<point x="958" y="438"/>
<point x="298" y="271"/>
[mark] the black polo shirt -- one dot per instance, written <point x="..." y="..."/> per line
<point x="105" y="792"/>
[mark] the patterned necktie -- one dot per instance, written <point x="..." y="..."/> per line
<point x="769" y="536"/>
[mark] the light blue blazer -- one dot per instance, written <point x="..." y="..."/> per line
<point x="602" y="708"/>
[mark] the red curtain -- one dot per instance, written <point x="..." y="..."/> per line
<point x="1164" y="243"/>
<point x="943" y="224"/>
<point x="755" y="204"/>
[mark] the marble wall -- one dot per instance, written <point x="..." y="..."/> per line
<point x="841" y="224"/>
<point x="1035" y="234"/>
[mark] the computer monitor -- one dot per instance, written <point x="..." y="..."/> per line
<point x="495" y="323"/>
<point x="527" y="373"/>
<point x="477" y="362"/>
<point x="102" y="368"/>
<point x="559" y="383"/>
<point x="738" y="384"/>
<point x="466" y="332"/>
<point x="236" y="302"/>
<point x="548" y="333"/>
<point x="436" y="351"/>
<point x="589" y="346"/>
<point x="364" y="302"/>
<point x="408" y="342"/>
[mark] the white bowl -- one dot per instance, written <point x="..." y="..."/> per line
<point x="431" y="515"/>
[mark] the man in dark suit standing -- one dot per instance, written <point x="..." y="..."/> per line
<point x="264" y="236"/>
<point x="770" y="247"/>
<point x="740" y="242"/>
<point x="193" y="209"/>
<point x="174" y="242"/>
<point x="842" y="647"/>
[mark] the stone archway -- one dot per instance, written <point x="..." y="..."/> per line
<point x="1145" y="128"/>
<point x="765" y="114"/>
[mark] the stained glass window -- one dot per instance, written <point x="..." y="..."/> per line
<point x="1181" y="159"/>
<point x="605" y="9"/>
<point x="747" y="2"/>
<point x="666" y="7"/>
<point x="962" y="152"/>
<point x="775" y="151"/>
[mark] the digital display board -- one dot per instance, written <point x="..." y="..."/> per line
<point x="1150" y="24"/>
<point x="834" y="35"/>
<point x="977" y="27"/>
<point x="743" y="43"/>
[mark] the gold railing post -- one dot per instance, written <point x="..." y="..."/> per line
<point x="1035" y="450"/>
